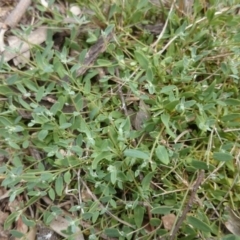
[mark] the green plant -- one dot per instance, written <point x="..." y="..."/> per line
<point x="76" y="138"/>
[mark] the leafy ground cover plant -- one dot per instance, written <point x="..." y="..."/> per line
<point x="125" y="122"/>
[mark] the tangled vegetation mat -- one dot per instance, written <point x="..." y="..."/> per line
<point x="119" y="119"/>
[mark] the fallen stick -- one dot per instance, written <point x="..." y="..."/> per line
<point x="94" y="51"/>
<point x="14" y="17"/>
<point x="188" y="207"/>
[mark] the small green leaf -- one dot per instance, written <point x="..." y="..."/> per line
<point x="56" y="210"/>
<point x="24" y="104"/>
<point x="113" y="173"/>
<point x="155" y="222"/>
<point x="78" y="102"/>
<point x="42" y="134"/>
<point x="31" y="84"/>
<point x="82" y="56"/>
<point x="139" y="215"/>
<point x="162" y="210"/>
<point x="59" y="186"/>
<point x="210" y="14"/>
<point x="77" y="150"/>
<point x="59" y="68"/>
<point x="65" y="125"/>
<point x="109" y="29"/>
<point x="171" y="105"/>
<point x="113" y="203"/>
<point x="232" y="102"/>
<point x="142" y="60"/>
<point x="18" y="128"/>
<point x="97" y="159"/>
<point x="51" y="194"/>
<point x="95" y="216"/>
<point x="230" y="237"/>
<point x="5" y="121"/>
<point x="50" y="218"/>
<point x="224" y="68"/>
<point x="198" y="224"/>
<point x="67" y="177"/>
<point x="10" y="219"/>
<point x="13" y="145"/>
<point x="34" y="193"/>
<point x="21" y="88"/>
<point x="146" y="181"/>
<point x="199" y="165"/>
<point x="165" y="119"/>
<point x="47" y="176"/>
<point x="112" y="232"/>
<point x="231" y="117"/>
<point x="16" y="234"/>
<point x="55" y="107"/>
<point x="6" y="91"/>
<point x="136" y="154"/>
<point x="162" y="154"/>
<point x="104" y="62"/>
<point x="29" y="223"/>
<point x="237" y="37"/>
<point x="39" y="94"/>
<point x="223" y="157"/>
<point x="12" y="79"/>
<point x="149" y="75"/>
<point x="167" y="89"/>
<point x="92" y="38"/>
<point x="25" y="144"/>
<point x="32" y="200"/>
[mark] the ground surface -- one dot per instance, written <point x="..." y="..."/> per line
<point x="120" y="120"/>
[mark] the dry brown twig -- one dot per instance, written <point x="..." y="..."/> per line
<point x="188" y="207"/>
<point x="99" y="47"/>
<point x="164" y="27"/>
<point x="94" y="51"/>
<point x="14" y="17"/>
